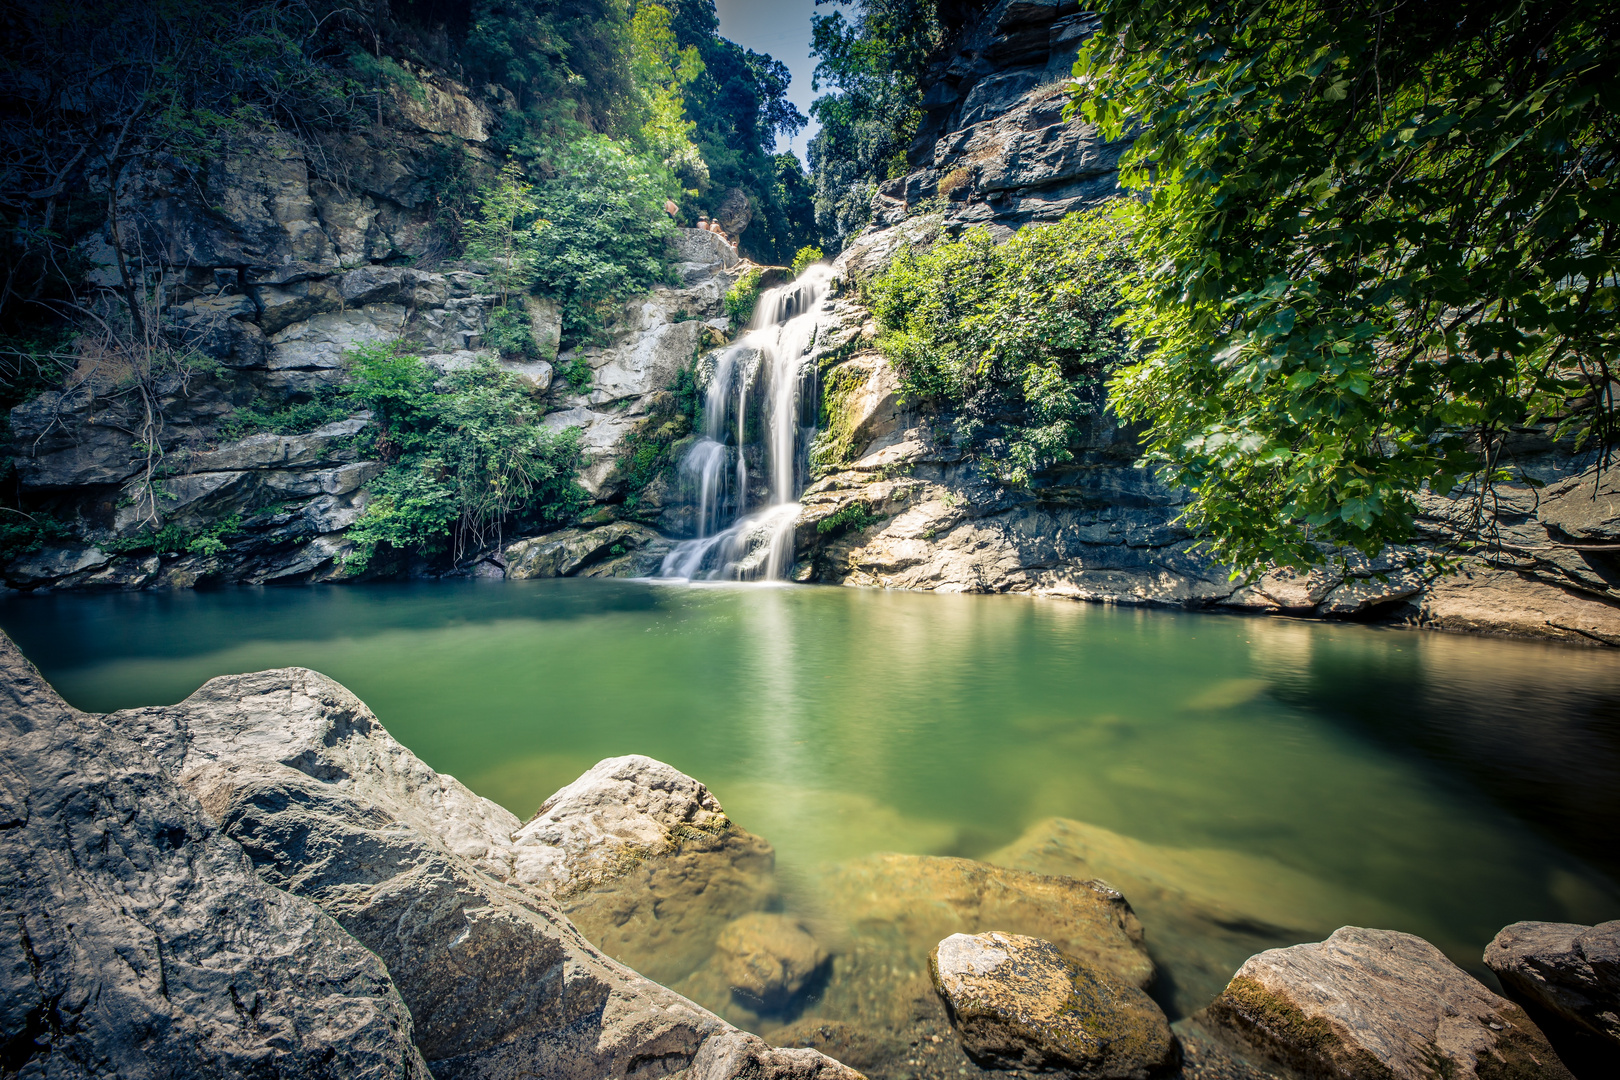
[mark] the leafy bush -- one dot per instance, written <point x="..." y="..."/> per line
<point x="1015" y="335"/>
<point x="326" y="405"/>
<point x="174" y="539"/>
<point x="852" y="518"/>
<point x="807" y="257"/>
<point x="1374" y="248"/>
<point x="742" y="296"/>
<point x="23" y="534"/>
<point x="466" y="457"/>
<point x="607" y="231"/>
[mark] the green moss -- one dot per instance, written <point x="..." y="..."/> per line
<point x="1521" y="1052"/>
<point x="835" y="444"/>
<point x="1281" y="1028"/>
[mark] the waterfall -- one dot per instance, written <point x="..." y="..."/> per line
<point x="765" y="381"/>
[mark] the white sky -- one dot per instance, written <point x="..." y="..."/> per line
<point x="781" y="28"/>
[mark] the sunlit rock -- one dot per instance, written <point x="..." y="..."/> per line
<point x="1378" y="1003"/>
<point x="1018" y="1002"/>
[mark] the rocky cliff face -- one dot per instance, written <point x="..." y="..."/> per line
<point x="274" y="260"/>
<point x="902" y="508"/>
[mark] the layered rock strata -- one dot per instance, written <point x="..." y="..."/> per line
<point x="140" y="943"/>
<point x="1368" y="1004"/>
<point x="442" y="886"/>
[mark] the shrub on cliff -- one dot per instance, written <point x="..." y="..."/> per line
<point x="1016" y="337"/>
<point x="466" y="457"/>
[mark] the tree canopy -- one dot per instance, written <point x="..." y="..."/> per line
<point x="1378" y="238"/>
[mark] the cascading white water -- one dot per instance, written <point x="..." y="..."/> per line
<point x="770" y="367"/>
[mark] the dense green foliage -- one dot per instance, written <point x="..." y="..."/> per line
<point x="875" y="61"/>
<point x="805" y="258"/>
<point x="1378" y="237"/>
<point x="1014" y="338"/>
<point x="325" y="405"/>
<point x="466" y="457"/>
<point x="743" y="297"/>
<point x="605" y="235"/>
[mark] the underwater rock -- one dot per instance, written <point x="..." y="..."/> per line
<point x="643" y="859"/>
<point x="1567" y="976"/>
<point x="499" y="982"/>
<point x="1368" y="1004"/>
<point x="1209" y="909"/>
<point x="140" y="943"/>
<point x="883" y="916"/>
<point x="1018" y="1002"/>
<point x="768" y="957"/>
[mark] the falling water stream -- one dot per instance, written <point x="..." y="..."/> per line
<point x="767" y="374"/>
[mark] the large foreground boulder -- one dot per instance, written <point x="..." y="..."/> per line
<point x="1567" y="977"/>
<point x="138" y="941"/>
<point x="1380" y="1005"/>
<point x="1018" y="1002"/>
<point x="418" y="868"/>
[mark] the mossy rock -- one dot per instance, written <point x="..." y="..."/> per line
<point x="1020" y="1003"/>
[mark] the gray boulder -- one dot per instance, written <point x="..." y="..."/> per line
<point x="1368" y="1004"/>
<point x="1563" y="971"/>
<point x="139" y="942"/>
<point x="421" y="870"/>
<point x="1018" y="1002"/>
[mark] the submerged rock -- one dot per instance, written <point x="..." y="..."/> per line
<point x="882" y="916"/>
<point x="140" y="943"/>
<point x="421" y="870"/>
<point x="1368" y="1004"/>
<point x="1209" y="909"/>
<point x="1567" y="976"/>
<point x="643" y="859"/>
<point x="1018" y="1002"/>
<point x="768" y="957"/>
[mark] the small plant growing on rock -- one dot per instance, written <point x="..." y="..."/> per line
<point x="807" y="257"/>
<point x="743" y="296"/>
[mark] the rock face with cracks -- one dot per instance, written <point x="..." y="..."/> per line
<point x="140" y="943"/>
<point x="424" y="873"/>
<point x="1379" y="1005"/>
<point x="1018" y="1002"/>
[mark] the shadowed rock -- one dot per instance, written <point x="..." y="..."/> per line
<point x="1379" y="1005"/>
<point x="1568" y="977"/>
<point x="139" y="942"/>
<point x="421" y="870"/>
<point x="1018" y="1002"/>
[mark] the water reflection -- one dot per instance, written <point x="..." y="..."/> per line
<point x="1298" y="773"/>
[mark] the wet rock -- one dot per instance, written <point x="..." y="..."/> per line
<point x="140" y="943"/>
<point x="768" y="958"/>
<point x="420" y="869"/>
<point x="1564" y="972"/>
<point x="1018" y="1002"/>
<point x="1379" y="1004"/>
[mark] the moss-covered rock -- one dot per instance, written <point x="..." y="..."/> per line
<point x="1019" y="1002"/>
<point x="1379" y="1005"/>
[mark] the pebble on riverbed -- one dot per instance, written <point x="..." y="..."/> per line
<point x="1018" y="1002"/>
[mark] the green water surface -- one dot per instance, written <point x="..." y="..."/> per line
<point x="1445" y="785"/>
